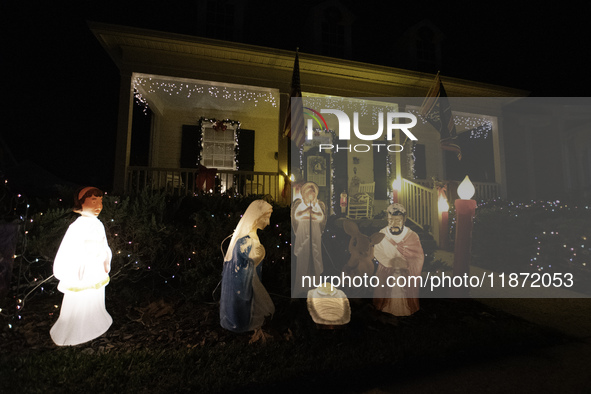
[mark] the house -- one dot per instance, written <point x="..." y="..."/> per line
<point x="221" y="105"/>
<point x="548" y="149"/>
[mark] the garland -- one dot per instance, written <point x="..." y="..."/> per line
<point x="220" y="125"/>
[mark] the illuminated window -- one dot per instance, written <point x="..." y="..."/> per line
<point x="219" y="148"/>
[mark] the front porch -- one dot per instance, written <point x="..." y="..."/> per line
<point x="192" y="181"/>
<point x="420" y="197"/>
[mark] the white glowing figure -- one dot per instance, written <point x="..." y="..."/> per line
<point x="82" y="266"/>
<point x="466" y="189"/>
<point x="245" y="302"/>
<point x="328" y="306"/>
<point x="308" y="218"/>
<point x="399" y="255"/>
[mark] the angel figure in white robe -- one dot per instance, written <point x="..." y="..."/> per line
<point x="308" y="218"/>
<point x="82" y="266"/>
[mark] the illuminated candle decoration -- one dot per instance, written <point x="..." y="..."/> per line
<point x="466" y="189"/>
<point x="82" y="266"/>
<point x="465" y="211"/>
<point x="328" y="306"/>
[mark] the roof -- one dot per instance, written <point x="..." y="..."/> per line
<point x="183" y="56"/>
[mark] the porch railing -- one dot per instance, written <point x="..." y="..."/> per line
<point x="188" y="181"/>
<point x="485" y="191"/>
<point x="419" y="202"/>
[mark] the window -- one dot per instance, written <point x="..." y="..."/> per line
<point x="333" y="33"/>
<point x="427" y="49"/>
<point x="219" y="148"/>
<point x="219" y="21"/>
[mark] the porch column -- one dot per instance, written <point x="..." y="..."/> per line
<point x="559" y="116"/>
<point x="123" y="141"/>
<point x="283" y="164"/>
<point x="283" y="150"/>
<point x="401" y="108"/>
<point x="529" y="161"/>
<point x="499" y="156"/>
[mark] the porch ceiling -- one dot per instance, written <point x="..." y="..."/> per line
<point x="164" y="93"/>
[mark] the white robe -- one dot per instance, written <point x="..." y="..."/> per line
<point x="82" y="265"/>
<point x="308" y="240"/>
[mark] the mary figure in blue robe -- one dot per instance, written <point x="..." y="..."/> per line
<point x="244" y="302"/>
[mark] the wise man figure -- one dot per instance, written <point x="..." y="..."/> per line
<point x="400" y="262"/>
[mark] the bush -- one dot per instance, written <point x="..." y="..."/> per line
<point x="536" y="237"/>
<point x="163" y="243"/>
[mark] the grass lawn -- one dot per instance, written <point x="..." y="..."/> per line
<point x="168" y="345"/>
<point x="166" y="338"/>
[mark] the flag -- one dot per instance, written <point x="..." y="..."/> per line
<point x="294" y="120"/>
<point x="437" y="111"/>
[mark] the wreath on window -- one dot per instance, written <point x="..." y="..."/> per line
<point x="219" y="126"/>
<point x="318" y="165"/>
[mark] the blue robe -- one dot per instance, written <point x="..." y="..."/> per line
<point x="244" y="301"/>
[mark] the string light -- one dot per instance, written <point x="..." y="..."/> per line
<point x="349" y="105"/>
<point x="552" y="249"/>
<point x="199" y="89"/>
<point x="480" y="127"/>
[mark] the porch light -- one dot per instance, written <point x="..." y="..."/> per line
<point x="292" y="178"/>
<point x="466" y="189"/>
<point x="443" y="221"/>
<point x="396" y="188"/>
<point x="442" y="204"/>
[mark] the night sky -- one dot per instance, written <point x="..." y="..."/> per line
<point x="62" y="88"/>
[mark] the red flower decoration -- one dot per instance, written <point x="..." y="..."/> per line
<point x="219" y="126"/>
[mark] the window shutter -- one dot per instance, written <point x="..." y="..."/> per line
<point x="245" y="150"/>
<point x="191" y="146"/>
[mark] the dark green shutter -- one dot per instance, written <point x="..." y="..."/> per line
<point x="191" y="146"/>
<point x="245" y="151"/>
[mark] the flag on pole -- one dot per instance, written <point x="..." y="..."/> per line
<point x="437" y="111"/>
<point x="294" y="120"/>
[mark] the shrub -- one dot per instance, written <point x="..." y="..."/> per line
<point x="163" y="243"/>
<point x="535" y="237"/>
